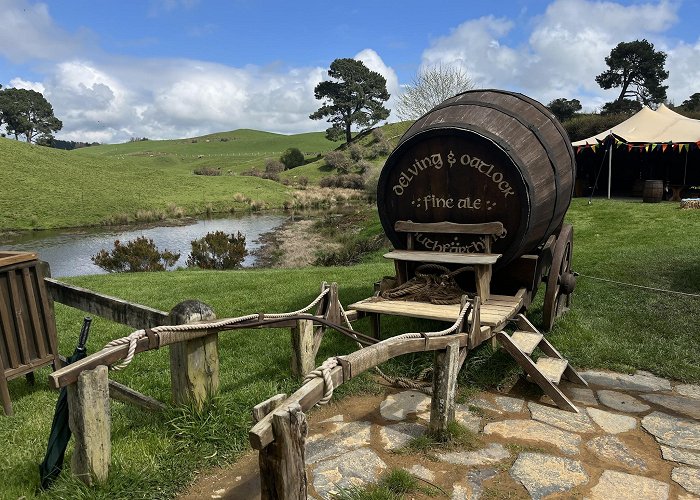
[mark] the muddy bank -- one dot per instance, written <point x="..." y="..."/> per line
<point x="293" y="244"/>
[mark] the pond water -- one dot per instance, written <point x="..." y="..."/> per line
<point x="69" y="251"/>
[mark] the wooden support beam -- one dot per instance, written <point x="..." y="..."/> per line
<point x="261" y="410"/>
<point x="442" y="408"/>
<point x="194" y="364"/>
<point x="282" y="466"/>
<point x="303" y="352"/>
<point x="90" y="423"/>
<point x="125" y="394"/>
<point x="111" y="308"/>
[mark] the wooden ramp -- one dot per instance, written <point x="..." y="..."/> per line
<point x="549" y="368"/>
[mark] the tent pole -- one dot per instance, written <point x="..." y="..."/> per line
<point x="609" y="168"/>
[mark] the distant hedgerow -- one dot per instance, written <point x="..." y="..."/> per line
<point x="218" y="250"/>
<point x="138" y="255"/>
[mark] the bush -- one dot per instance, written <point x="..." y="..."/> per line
<point x="303" y="181"/>
<point x="378" y="135"/>
<point x="356" y="152"/>
<point x="218" y="250"/>
<point x="363" y="167"/>
<point x="350" y="181"/>
<point x="338" y="161"/>
<point x="292" y="158"/>
<point x="138" y="255"/>
<point x="207" y="171"/>
<point x="583" y="126"/>
<point x="273" y="166"/>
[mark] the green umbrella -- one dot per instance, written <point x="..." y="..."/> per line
<point x="52" y="465"/>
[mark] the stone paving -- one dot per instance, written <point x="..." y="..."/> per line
<point x="636" y="436"/>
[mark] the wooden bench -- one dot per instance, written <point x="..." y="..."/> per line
<point x="481" y="262"/>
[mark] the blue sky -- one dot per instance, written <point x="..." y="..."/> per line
<point x="176" y="68"/>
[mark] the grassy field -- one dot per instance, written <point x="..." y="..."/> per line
<point x="143" y="180"/>
<point x="610" y="326"/>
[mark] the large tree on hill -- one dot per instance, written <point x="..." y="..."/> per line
<point x="429" y="88"/>
<point x="564" y="109"/>
<point x="354" y="97"/>
<point x="692" y="103"/>
<point x="28" y="113"/>
<point x="637" y="70"/>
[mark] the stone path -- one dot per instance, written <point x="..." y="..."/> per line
<point x="636" y="436"/>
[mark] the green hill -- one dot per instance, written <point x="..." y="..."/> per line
<point x="148" y="180"/>
<point x="50" y="188"/>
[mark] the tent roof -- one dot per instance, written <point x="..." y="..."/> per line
<point x="662" y="125"/>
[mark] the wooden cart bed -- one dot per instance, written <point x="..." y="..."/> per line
<point x="494" y="314"/>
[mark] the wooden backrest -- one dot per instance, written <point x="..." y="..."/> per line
<point x="485" y="228"/>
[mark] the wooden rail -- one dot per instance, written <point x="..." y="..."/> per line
<point x="111" y="308"/>
<point x="351" y="366"/>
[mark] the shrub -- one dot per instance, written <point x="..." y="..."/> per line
<point x="218" y="250"/>
<point x="207" y="171"/>
<point x="273" y="176"/>
<point x="378" y="135"/>
<point x="363" y="167"/>
<point x="356" y="152"/>
<point x="381" y="148"/>
<point x="350" y="181"/>
<point x="338" y="161"/>
<point x="303" y="181"/>
<point x="292" y="158"/>
<point x="138" y="255"/>
<point x="273" y="166"/>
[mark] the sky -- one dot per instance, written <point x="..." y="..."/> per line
<point x="165" y="69"/>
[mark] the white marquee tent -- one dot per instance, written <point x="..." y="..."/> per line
<point x="649" y="127"/>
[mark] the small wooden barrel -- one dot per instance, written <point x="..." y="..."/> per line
<point x="481" y="156"/>
<point x="653" y="191"/>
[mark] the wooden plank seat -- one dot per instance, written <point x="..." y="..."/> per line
<point x="480" y="262"/>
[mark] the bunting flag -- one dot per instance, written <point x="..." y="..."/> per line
<point x="647" y="147"/>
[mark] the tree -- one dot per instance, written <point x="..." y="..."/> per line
<point x="564" y="109"/>
<point x="292" y="158"/>
<point x="692" y="103"/>
<point x="28" y="113"/>
<point x="638" y="70"/>
<point x="429" y="88"/>
<point x="355" y="98"/>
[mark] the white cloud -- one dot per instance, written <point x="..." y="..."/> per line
<point x="27" y="32"/>
<point x="111" y="101"/>
<point x="565" y="50"/>
<point x="18" y="83"/>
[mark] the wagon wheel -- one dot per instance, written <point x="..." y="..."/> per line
<point x="561" y="281"/>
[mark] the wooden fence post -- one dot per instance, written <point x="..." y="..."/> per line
<point x="90" y="423"/>
<point x="442" y="408"/>
<point x="282" y="465"/>
<point x="303" y="352"/>
<point x="194" y="364"/>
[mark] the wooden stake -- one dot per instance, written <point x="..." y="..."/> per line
<point x="194" y="364"/>
<point x="282" y="466"/>
<point x="303" y="355"/>
<point x="442" y="408"/>
<point x="90" y="423"/>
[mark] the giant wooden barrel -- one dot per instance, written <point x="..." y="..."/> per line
<point x="481" y="156"/>
<point x="653" y="191"/>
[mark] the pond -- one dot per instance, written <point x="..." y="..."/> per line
<point x="69" y="252"/>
